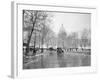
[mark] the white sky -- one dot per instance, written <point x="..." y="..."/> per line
<point x="72" y="22"/>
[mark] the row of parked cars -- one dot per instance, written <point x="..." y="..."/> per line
<point x="59" y="49"/>
<point x="35" y="50"/>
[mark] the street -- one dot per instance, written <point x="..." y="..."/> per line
<point x="50" y="59"/>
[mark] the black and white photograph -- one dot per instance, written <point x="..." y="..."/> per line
<point x="56" y="39"/>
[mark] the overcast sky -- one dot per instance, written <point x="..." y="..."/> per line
<point x="72" y="22"/>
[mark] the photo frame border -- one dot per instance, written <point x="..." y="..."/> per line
<point x="16" y="68"/>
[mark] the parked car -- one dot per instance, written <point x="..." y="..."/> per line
<point x="51" y="49"/>
<point x="60" y="51"/>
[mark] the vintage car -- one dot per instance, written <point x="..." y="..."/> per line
<point x="60" y="51"/>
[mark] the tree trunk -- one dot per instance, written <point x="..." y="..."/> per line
<point x="42" y="45"/>
<point x="28" y="42"/>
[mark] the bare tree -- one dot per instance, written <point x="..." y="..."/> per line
<point x="44" y="31"/>
<point x="51" y="39"/>
<point x="34" y="21"/>
<point x="74" y="36"/>
<point x="86" y="38"/>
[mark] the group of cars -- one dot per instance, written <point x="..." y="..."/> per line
<point x="35" y="50"/>
<point x="59" y="50"/>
